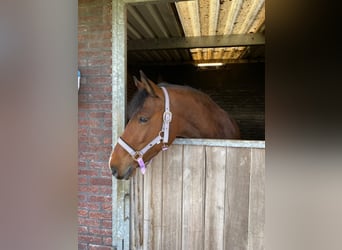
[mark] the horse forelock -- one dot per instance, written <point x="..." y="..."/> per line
<point x="137" y="102"/>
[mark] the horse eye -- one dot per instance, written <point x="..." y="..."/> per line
<point x="143" y="119"/>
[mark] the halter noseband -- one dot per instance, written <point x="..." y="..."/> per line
<point x="163" y="135"/>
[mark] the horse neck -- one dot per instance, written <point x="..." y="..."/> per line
<point x="197" y="116"/>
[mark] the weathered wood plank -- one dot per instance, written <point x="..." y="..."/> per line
<point x="237" y="198"/>
<point x="137" y="198"/>
<point x="214" y="197"/>
<point x="193" y="197"/>
<point x="156" y="197"/>
<point x="133" y="216"/>
<point x="147" y="220"/>
<point x="257" y="201"/>
<point x="172" y="198"/>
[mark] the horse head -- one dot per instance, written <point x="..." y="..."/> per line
<point x="147" y="131"/>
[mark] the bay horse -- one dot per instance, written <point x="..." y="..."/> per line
<point x="160" y="113"/>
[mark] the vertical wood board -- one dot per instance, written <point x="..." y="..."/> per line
<point x="172" y="198"/>
<point x="214" y="197"/>
<point x="257" y="201"/>
<point x="237" y="198"/>
<point x="156" y="197"/>
<point x="193" y="197"/>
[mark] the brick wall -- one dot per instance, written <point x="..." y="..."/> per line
<point x="95" y="184"/>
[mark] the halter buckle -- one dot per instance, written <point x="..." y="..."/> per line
<point x="137" y="155"/>
<point x="167" y="116"/>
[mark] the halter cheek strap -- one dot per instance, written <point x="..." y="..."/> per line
<point x="162" y="136"/>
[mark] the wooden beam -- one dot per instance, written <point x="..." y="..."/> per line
<point x="197" y="42"/>
<point x="136" y="2"/>
<point x="226" y="62"/>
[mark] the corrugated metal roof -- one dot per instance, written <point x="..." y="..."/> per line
<point x="212" y="24"/>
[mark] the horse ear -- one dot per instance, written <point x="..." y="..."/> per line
<point x="138" y="84"/>
<point x="149" y="85"/>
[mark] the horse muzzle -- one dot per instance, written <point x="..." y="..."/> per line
<point x="124" y="176"/>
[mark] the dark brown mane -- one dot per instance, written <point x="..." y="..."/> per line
<point x="136" y="102"/>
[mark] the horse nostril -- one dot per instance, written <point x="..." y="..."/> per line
<point x="114" y="172"/>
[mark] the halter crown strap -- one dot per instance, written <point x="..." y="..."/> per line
<point x="162" y="136"/>
<point x="167" y="116"/>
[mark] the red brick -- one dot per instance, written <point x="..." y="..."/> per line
<point x="90" y="239"/>
<point x="89" y="123"/>
<point x="100" y="215"/>
<point x="81" y="197"/>
<point x="89" y="222"/>
<point x="98" y="114"/>
<point x="106" y="172"/>
<point x="88" y="172"/>
<point x="82" y="131"/>
<point x="100" y="80"/>
<point x="101" y="181"/>
<point x="106" y="224"/>
<point x="82" y="164"/>
<point x="96" y="190"/>
<point x="105" y="190"/>
<point x="82" y="114"/>
<point x="92" y="149"/>
<point x="82" y="139"/>
<point x="86" y="88"/>
<point x="99" y="61"/>
<point x="82" y="246"/>
<point x="98" y="247"/>
<point x="99" y="71"/>
<point x="102" y="97"/>
<point x="106" y="206"/>
<point x="89" y="19"/>
<point x="90" y="7"/>
<point x="95" y="140"/>
<point x="89" y="205"/>
<point x="107" y="240"/>
<point x="82" y="45"/>
<point x="108" y="123"/>
<point x="100" y="28"/>
<point x="82" y="62"/>
<point x="94" y="198"/>
<point x="103" y="35"/>
<point x="95" y="131"/>
<point x="95" y="106"/>
<point x="94" y="156"/>
<point x="107" y="140"/>
<point x="82" y="229"/>
<point x="101" y="44"/>
<point x="100" y="165"/>
<point x="94" y="54"/>
<point x="88" y="189"/>
<point x="82" y="180"/>
<point x="100" y="231"/>
<point x="82" y="212"/>
<point x="105" y="157"/>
